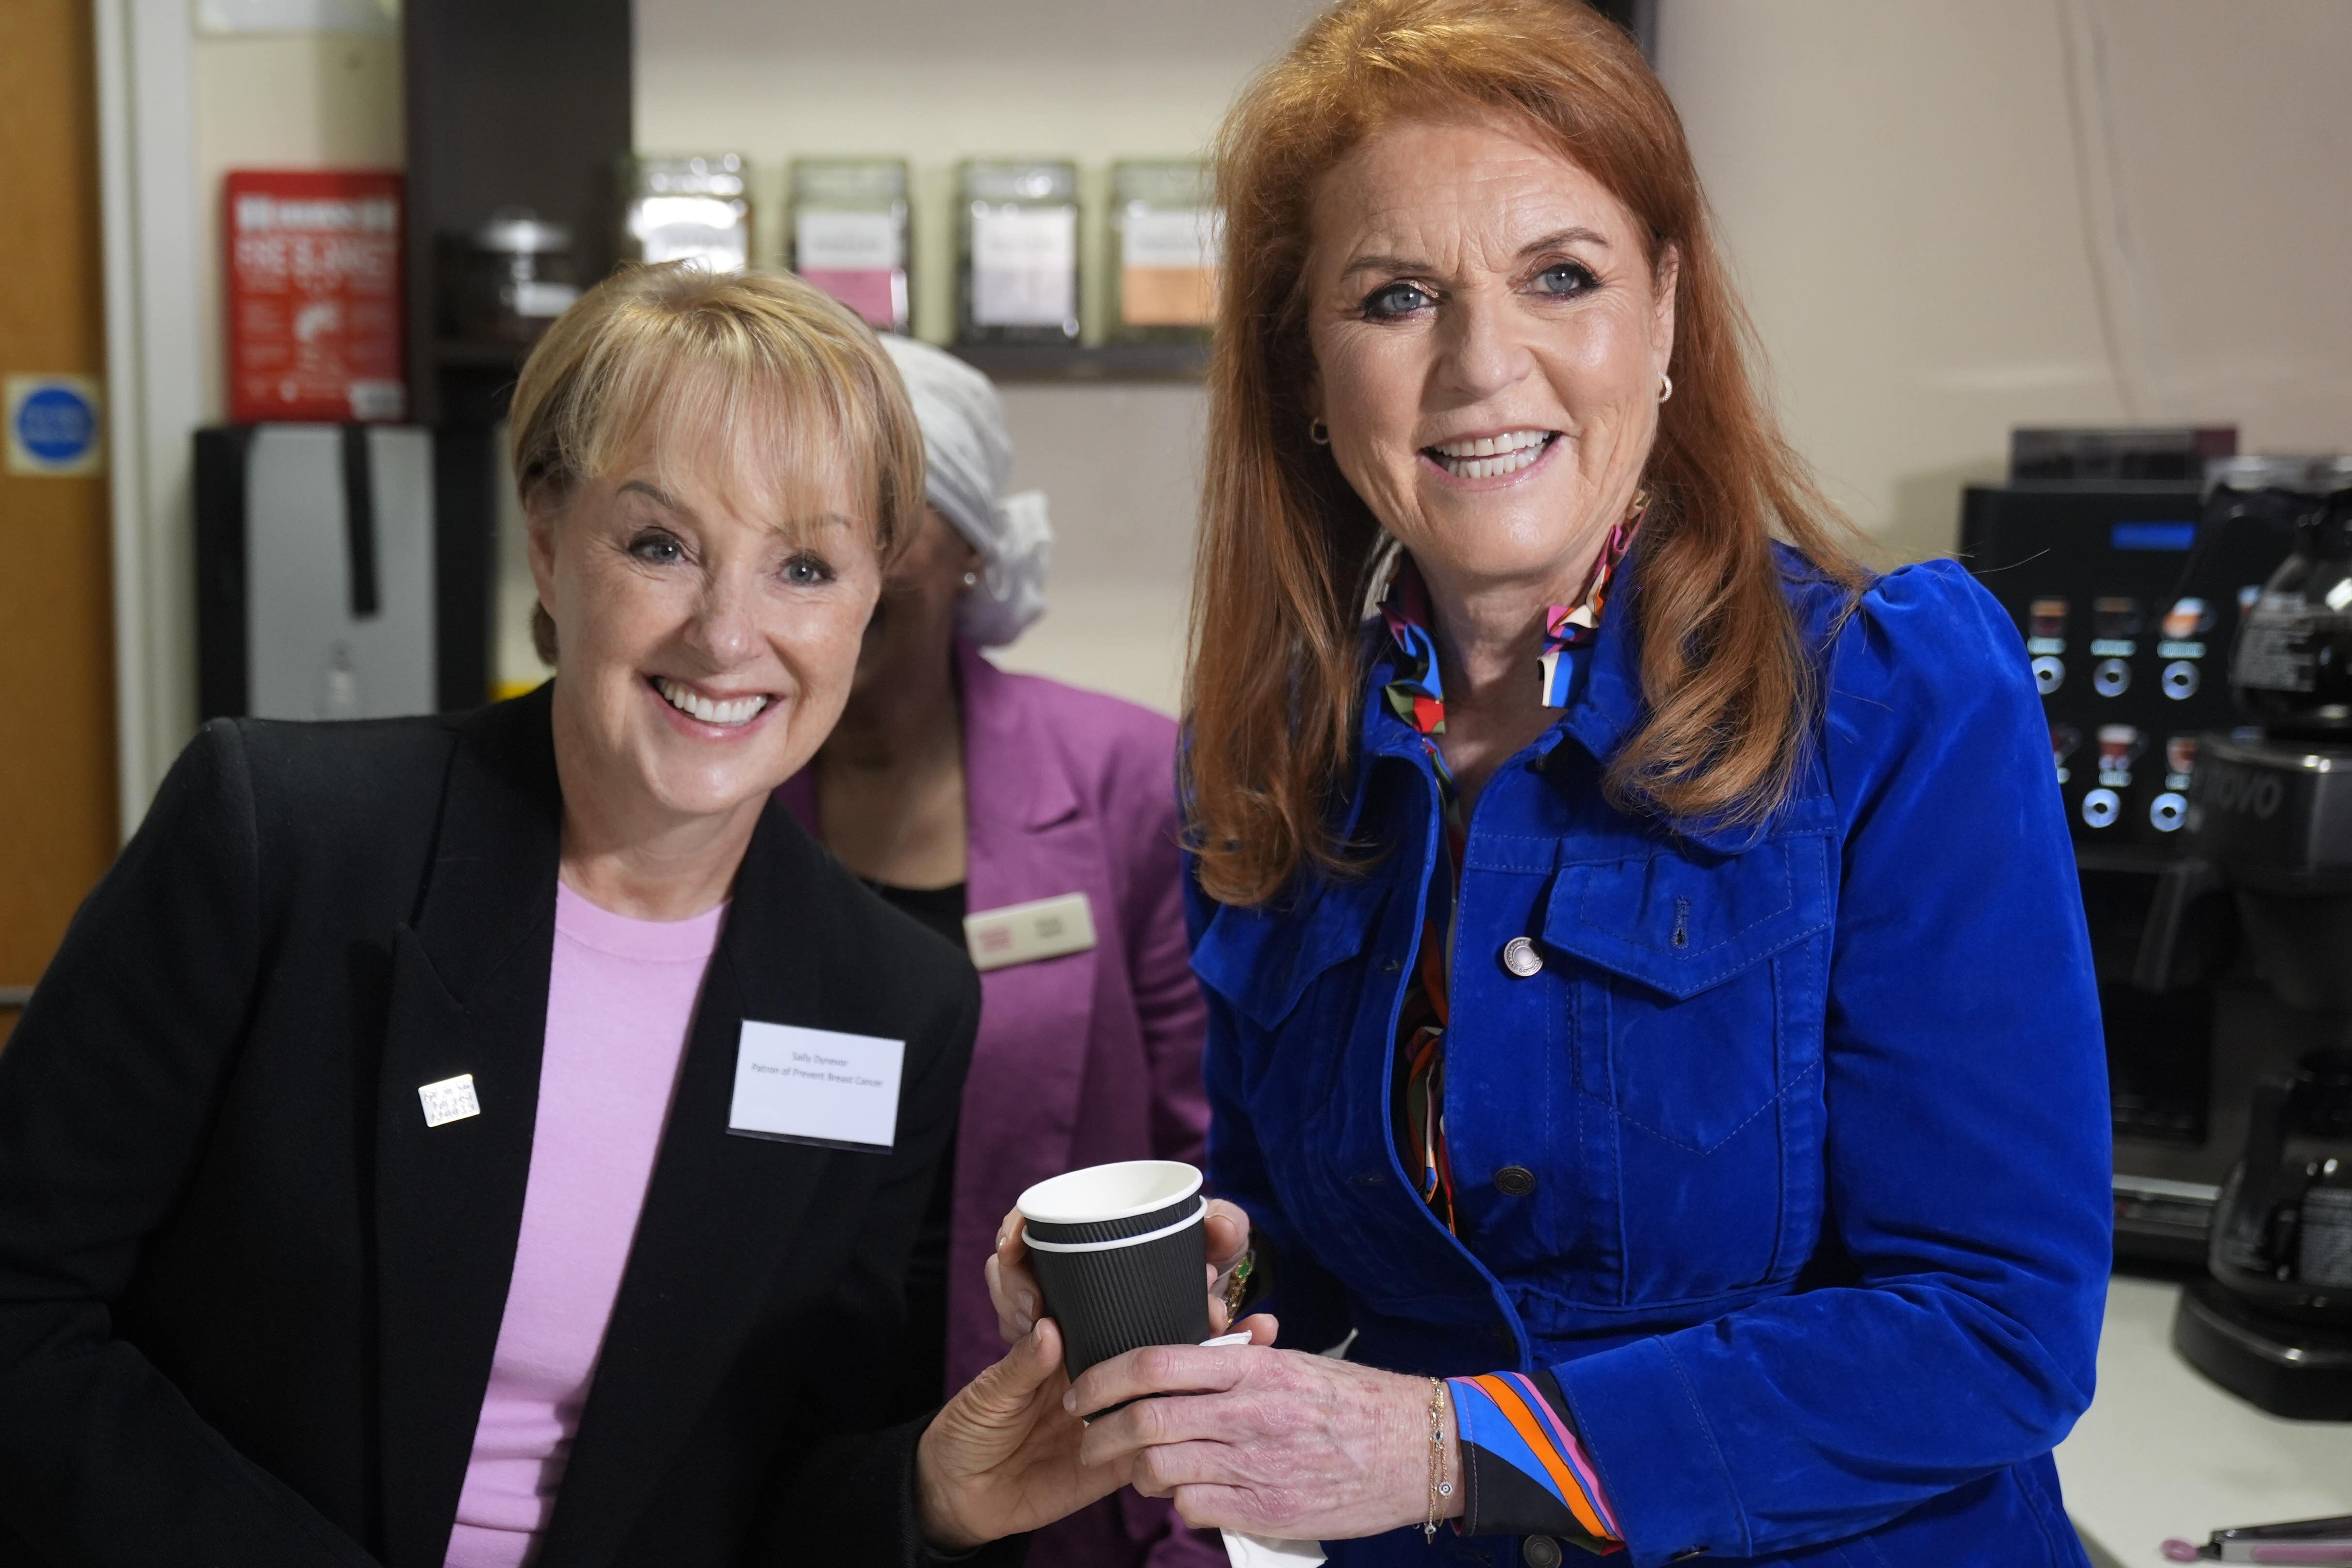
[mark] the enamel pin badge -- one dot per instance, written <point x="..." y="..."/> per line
<point x="451" y="1099"/>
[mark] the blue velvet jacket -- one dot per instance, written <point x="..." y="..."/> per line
<point x="1817" y="1242"/>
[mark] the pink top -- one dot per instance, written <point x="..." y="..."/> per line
<point x="620" y="1000"/>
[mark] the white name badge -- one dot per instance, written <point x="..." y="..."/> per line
<point x="1024" y="933"/>
<point x="814" y="1085"/>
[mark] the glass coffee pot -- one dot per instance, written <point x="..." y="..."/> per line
<point x="2292" y="669"/>
<point x="2282" y="1237"/>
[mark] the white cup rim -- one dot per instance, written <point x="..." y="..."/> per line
<point x="1064" y="1199"/>
<point x="1038" y="1243"/>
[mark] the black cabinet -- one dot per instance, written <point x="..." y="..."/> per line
<point x="517" y="103"/>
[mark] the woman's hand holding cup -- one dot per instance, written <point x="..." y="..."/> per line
<point x="1269" y="1442"/>
<point x="1003" y="1456"/>
<point x="1118" y="1243"/>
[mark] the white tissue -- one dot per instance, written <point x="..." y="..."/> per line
<point x="1258" y="1551"/>
<point x="1261" y="1551"/>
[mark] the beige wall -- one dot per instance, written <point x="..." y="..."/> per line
<point x="1951" y="217"/>
<point x="283" y="100"/>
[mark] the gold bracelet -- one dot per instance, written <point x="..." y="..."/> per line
<point x="1439" y="1487"/>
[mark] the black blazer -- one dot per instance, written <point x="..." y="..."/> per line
<point x="248" y="1299"/>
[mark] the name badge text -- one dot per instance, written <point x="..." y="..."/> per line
<point x="816" y="1085"/>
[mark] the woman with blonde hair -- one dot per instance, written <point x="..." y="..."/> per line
<point x="1651" y="1020"/>
<point x="392" y="1162"/>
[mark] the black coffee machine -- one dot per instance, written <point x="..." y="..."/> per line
<point x="2128" y="560"/>
<point x="2268" y="849"/>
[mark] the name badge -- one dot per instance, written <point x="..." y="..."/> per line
<point x="816" y="1085"/>
<point x="1024" y="933"/>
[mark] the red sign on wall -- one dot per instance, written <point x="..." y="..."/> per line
<point x="314" y="296"/>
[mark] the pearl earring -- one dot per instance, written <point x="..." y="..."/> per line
<point x="971" y="579"/>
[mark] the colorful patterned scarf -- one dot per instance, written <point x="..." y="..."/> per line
<point x="1416" y="694"/>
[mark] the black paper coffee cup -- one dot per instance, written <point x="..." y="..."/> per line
<point x="1120" y="1254"/>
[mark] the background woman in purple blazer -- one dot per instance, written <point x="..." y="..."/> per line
<point x="955" y="788"/>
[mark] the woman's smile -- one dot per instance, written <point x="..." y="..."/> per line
<point x="697" y="712"/>
<point x="1490" y="462"/>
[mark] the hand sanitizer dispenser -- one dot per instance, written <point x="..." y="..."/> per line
<point x="315" y="572"/>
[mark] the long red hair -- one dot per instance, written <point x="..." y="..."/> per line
<point x="1273" y="686"/>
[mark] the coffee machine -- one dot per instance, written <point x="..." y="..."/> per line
<point x="2128" y="560"/>
<point x="2267" y="844"/>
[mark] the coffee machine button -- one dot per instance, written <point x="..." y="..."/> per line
<point x="2101" y="806"/>
<point x="2168" y="811"/>
<point x="2049" y="674"/>
<point x="2111" y="677"/>
<point x="2179" y="679"/>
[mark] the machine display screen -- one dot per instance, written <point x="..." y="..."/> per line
<point x="2152" y="535"/>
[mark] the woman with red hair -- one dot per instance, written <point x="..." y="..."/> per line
<point x="1651" y="1025"/>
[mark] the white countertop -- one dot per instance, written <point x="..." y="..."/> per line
<point x="2163" y="1451"/>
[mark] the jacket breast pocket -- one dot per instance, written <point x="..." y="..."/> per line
<point x="1697" y="1002"/>
<point x="1266" y="963"/>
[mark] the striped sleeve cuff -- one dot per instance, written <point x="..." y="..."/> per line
<point x="1524" y="1470"/>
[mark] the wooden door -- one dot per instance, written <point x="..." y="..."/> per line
<point x="58" y="811"/>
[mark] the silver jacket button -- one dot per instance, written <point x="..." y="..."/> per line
<point x="1520" y="957"/>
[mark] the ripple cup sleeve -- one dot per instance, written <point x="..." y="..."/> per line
<point x="1121" y="1256"/>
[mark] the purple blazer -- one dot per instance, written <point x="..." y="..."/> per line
<point x="1081" y="1059"/>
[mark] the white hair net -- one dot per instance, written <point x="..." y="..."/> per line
<point x="970" y="454"/>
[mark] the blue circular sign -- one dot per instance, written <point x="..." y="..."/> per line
<point x="56" y="424"/>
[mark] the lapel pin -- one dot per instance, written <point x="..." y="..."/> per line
<point x="451" y="1099"/>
